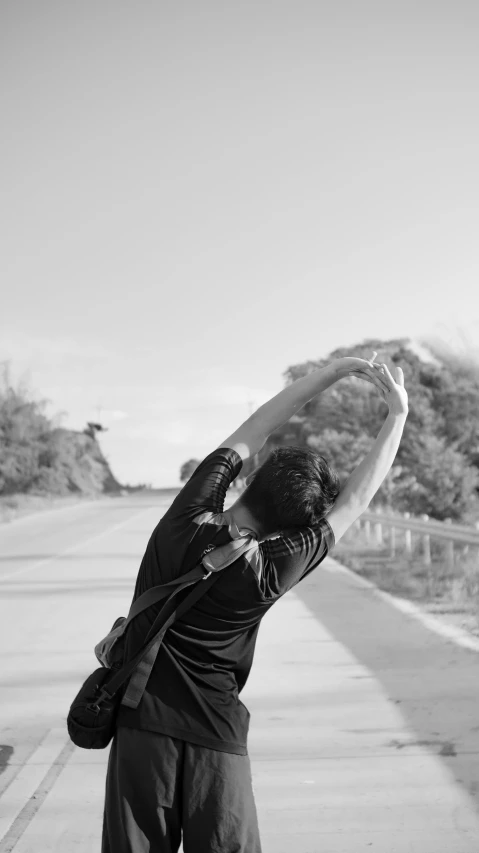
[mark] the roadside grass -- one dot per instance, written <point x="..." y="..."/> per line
<point x="452" y="591"/>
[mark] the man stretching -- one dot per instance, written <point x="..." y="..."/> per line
<point x="179" y="762"/>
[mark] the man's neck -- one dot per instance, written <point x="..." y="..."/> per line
<point x="242" y="518"/>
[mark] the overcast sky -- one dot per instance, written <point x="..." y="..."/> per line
<point x="196" y="195"/>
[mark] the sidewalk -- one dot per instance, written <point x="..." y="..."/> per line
<point x="325" y="778"/>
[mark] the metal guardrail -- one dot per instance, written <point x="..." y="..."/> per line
<point x="453" y="534"/>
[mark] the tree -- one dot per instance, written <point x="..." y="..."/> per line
<point x="445" y="483"/>
<point x="436" y="470"/>
<point x="188" y="468"/>
<point x="341" y="450"/>
<point x="395" y="489"/>
<point x="23" y="430"/>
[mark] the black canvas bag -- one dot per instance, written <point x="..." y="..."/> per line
<point x="92" y="716"/>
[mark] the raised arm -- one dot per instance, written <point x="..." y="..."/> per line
<point x="365" y="480"/>
<point x="250" y="437"/>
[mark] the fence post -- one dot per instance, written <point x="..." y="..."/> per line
<point x="378" y="530"/>
<point x="449" y="548"/>
<point x="407" y="536"/>
<point x="426" y="542"/>
<point x="392" y="542"/>
<point x="367" y="529"/>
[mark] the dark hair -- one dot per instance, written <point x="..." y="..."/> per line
<point x="294" y="487"/>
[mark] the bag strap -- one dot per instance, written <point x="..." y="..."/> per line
<point x="121" y="676"/>
<point x="139" y="679"/>
<point x="157" y="631"/>
<point x="157" y="593"/>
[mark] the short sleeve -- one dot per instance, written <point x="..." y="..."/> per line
<point x="206" y="489"/>
<point x="286" y="560"/>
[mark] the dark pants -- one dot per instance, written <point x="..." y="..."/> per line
<point x="157" y="786"/>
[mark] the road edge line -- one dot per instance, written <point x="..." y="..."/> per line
<point x="35" y="802"/>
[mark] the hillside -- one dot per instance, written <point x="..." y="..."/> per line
<point x="79" y="466"/>
<point x="39" y="458"/>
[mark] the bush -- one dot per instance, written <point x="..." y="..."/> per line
<point x="38" y="458"/>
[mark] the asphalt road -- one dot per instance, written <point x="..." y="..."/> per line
<point x="433" y="682"/>
<point x="393" y="716"/>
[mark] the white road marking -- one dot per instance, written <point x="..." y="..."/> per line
<point x="27" y="780"/>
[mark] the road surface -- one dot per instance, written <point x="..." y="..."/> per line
<point x="364" y="725"/>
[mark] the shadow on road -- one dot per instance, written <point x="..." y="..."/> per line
<point x="433" y="682"/>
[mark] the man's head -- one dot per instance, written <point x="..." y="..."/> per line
<point x="294" y="487"/>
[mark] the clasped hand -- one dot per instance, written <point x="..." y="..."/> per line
<point x="391" y="390"/>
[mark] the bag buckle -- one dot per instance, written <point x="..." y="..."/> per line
<point x="95" y="705"/>
<point x="205" y="552"/>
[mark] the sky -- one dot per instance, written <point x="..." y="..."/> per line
<point x="196" y="196"/>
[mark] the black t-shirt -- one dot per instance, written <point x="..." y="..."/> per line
<point x="206" y="655"/>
